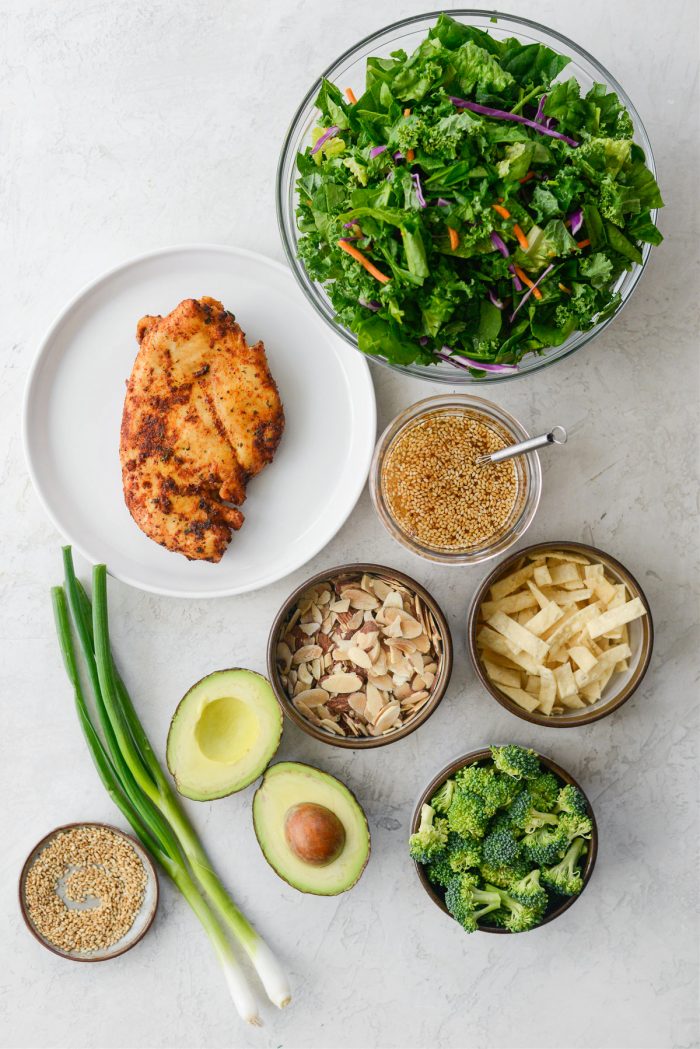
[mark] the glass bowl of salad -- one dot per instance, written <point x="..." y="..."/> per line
<point x="467" y="197"/>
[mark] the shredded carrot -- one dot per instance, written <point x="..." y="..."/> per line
<point x="350" y="95"/>
<point x="501" y="199"/>
<point x="582" y="243"/>
<point x="503" y="212"/>
<point x="563" y="287"/>
<point x="407" y="112"/>
<point x="526" y="280"/>
<point x="526" y="178"/>
<point x="410" y="155"/>
<point x="364" y="261"/>
<point x="522" y="239"/>
<point x="454" y="238"/>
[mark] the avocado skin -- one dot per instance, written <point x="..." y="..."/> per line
<point x="226" y="793"/>
<point x="361" y="813"/>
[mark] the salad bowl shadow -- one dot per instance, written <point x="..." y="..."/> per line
<point x="348" y="71"/>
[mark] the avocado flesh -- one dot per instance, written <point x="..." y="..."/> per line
<point x="223" y="734"/>
<point x="289" y="783"/>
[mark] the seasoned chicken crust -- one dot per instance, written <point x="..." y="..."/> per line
<point x="202" y="415"/>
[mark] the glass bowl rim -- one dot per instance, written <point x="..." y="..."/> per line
<point x="306" y="285"/>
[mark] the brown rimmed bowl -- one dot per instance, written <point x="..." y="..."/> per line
<point x="440" y="683"/>
<point x="556" y="908"/>
<point x="619" y="688"/>
<point x="144" y="918"/>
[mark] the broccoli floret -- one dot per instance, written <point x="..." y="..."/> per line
<point x="571" y="800"/>
<point x="518" y="762"/>
<point x="467" y="814"/>
<point x="463" y="851"/>
<point x="574" y="825"/>
<point x="467" y="903"/>
<point x="544" y="845"/>
<point x="525" y="816"/>
<point x="514" y="915"/>
<point x="442" y="798"/>
<point x="504" y="877"/>
<point x="501" y="848"/>
<point x="565" y="878"/>
<point x="497" y="791"/>
<point x="545" y="791"/>
<point x="529" y="891"/>
<point x="439" y="870"/>
<point x="430" y="838"/>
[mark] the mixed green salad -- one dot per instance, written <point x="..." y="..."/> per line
<point x="469" y="208"/>
<point x="504" y="840"/>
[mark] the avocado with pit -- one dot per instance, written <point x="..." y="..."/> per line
<point x="223" y="734"/>
<point x="311" y="828"/>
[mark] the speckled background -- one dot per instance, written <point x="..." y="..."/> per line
<point x="127" y="126"/>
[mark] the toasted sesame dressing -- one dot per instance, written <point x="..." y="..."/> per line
<point x="436" y="492"/>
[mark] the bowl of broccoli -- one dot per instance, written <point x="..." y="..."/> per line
<point x="504" y="840"/>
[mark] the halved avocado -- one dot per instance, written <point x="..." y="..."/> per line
<point x="311" y="828"/>
<point x="223" y="734"/>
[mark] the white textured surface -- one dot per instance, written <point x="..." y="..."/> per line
<point x="132" y="125"/>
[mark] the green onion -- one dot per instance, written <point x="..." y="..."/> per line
<point x="133" y="777"/>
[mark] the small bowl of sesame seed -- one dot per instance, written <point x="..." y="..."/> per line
<point x="88" y="892"/>
<point x="433" y="497"/>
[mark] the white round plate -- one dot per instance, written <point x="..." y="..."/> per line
<point x="73" y="407"/>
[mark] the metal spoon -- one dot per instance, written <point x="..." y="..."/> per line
<point x="557" y="435"/>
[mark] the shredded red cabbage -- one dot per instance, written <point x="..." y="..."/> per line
<point x="372" y="304"/>
<point x="540" y="111"/>
<point x="497" y="302"/>
<point x="516" y="279"/>
<point x="347" y="225"/>
<point x="467" y="363"/>
<point x="576" y="220"/>
<point x="376" y="150"/>
<point x="333" y="130"/>
<point x="529" y="291"/>
<point x="442" y="203"/>
<point x="424" y="340"/>
<point x="501" y="114"/>
<point x="499" y="245"/>
<point x="415" y="178"/>
<point x="398" y="155"/>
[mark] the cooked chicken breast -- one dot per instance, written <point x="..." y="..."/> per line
<point x="202" y="416"/>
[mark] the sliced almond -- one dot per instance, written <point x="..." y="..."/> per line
<point x="306" y="653"/>
<point x="315" y="666"/>
<point x="418" y="683"/>
<point x="360" y="599"/>
<point x="380" y="681"/>
<point x="388" y="717"/>
<point x="357" y="701"/>
<point x="308" y="628"/>
<point x="381" y="588"/>
<point x="360" y="658"/>
<point x="374" y="703"/>
<point x="342" y="605"/>
<point x="393" y="600"/>
<point x="403" y="691"/>
<point x="312" y="697"/>
<point x="304" y="675"/>
<point x="342" y="683"/>
<point x="284" y="655"/>
<point x="332" y="726"/>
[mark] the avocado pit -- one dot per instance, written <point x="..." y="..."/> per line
<point x="314" y="833"/>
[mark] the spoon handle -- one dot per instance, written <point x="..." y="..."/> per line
<point x="557" y="435"/>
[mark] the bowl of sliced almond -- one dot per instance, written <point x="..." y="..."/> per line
<point x="359" y="656"/>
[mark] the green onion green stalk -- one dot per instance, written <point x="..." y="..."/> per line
<point x="135" y="781"/>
